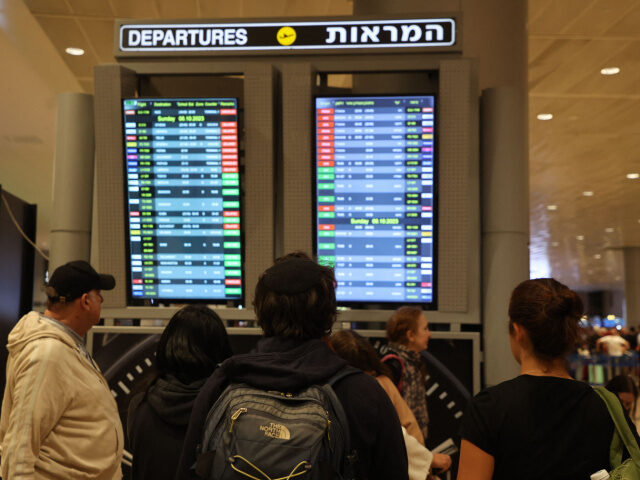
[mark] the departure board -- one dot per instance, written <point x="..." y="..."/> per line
<point x="183" y="190"/>
<point x="375" y="197"/>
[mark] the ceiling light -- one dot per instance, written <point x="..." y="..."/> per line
<point x="552" y="207"/>
<point x="610" y="71"/>
<point x="581" y="237"/>
<point x="545" y="116"/>
<point x="633" y="176"/>
<point x="588" y="193"/>
<point x="74" y="51"/>
<point x="597" y="256"/>
<point x="609" y="230"/>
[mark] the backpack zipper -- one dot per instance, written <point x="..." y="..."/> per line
<point x="235" y="416"/>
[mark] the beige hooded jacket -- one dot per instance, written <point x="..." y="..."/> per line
<point x="59" y="419"/>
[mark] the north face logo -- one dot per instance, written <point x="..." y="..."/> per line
<point x="275" y="430"/>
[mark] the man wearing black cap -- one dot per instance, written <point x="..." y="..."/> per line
<point x="295" y="305"/>
<point x="59" y="419"/>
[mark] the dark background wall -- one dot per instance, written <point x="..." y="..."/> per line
<point x="16" y="268"/>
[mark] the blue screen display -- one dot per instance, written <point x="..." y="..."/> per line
<point x="183" y="199"/>
<point x="375" y="197"/>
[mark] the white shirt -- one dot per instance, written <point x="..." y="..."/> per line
<point x="615" y="344"/>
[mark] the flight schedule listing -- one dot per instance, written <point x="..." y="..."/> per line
<point x="375" y="196"/>
<point x="183" y="198"/>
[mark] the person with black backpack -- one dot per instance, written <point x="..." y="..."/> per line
<point x="292" y="408"/>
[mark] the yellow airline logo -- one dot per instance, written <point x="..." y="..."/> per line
<point x="286" y="36"/>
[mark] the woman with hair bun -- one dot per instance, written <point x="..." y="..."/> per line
<point x="541" y="424"/>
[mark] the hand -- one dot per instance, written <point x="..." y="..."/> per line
<point x="441" y="462"/>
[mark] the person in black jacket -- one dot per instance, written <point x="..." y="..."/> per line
<point x="295" y="305"/>
<point x="190" y="348"/>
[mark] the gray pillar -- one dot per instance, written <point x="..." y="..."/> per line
<point x="505" y="221"/>
<point x="72" y="180"/>
<point x="631" y="256"/>
<point x="297" y="82"/>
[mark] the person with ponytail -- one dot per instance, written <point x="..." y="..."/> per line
<point x="543" y="423"/>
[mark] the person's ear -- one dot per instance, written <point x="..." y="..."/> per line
<point x="518" y="332"/>
<point x="84" y="301"/>
<point x="411" y="335"/>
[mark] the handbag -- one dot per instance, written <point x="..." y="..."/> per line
<point x="622" y="438"/>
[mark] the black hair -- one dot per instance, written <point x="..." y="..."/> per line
<point x="192" y="344"/>
<point x="623" y="384"/>
<point x="306" y="315"/>
<point x="549" y="312"/>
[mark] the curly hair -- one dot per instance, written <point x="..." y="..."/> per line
<point x="304" y="315"/>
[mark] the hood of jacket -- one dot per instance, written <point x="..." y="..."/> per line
<point x="35" y="326"/>
<point x="173" y="400"/>
<point x="284" y="364"/>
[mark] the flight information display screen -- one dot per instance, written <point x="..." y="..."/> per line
<point x="375" y="197"/>
<point x="183" y="199"/>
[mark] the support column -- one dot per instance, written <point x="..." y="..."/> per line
<point x="631" y="257"/>
<point x="505" y="221"/>
<point x="72" y="180"/>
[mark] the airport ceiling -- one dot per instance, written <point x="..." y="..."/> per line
<point x="584" y="208"/>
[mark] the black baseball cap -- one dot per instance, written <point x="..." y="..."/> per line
<point x="76" y="278"/>
<point x="293" y="275"/>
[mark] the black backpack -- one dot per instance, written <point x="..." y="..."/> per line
<point x="257" y="434"/>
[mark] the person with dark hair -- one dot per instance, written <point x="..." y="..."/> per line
<point x="408" y="334"/>
<point x="59" y="418"/>
<point x="627" y="391"/>
<point x="359" y="353"/>
<point x="191" y="347"/>
<point x="543" y="423"/>
<point x="295" y="305"/>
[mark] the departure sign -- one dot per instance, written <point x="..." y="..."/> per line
<point x="183" y="199"/>
<point x="288" y="37"/>
<point x="375" y="203"/>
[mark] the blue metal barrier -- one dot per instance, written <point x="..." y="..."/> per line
<point x="598" y="369"/>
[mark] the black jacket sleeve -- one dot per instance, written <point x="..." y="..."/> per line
<point x="375" y="430"/>
<point x="210" y="392"/>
